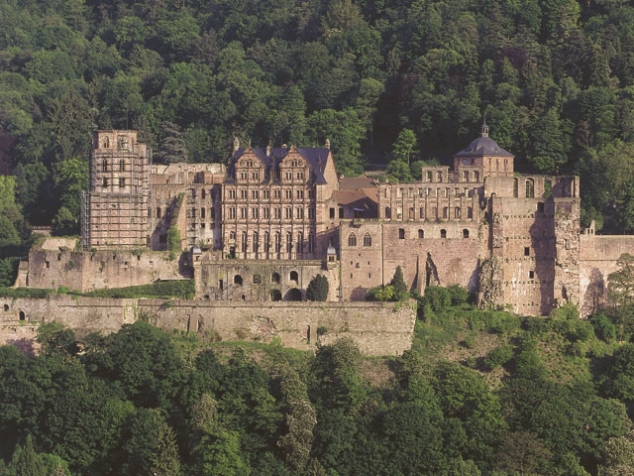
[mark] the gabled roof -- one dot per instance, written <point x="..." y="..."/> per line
<point x="315" y="157"/>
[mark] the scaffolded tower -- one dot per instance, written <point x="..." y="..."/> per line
<point x="115" y="208"/>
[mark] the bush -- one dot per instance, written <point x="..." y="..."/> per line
<point x="438" y="298"/>
<point x="317" y="289"/>
<point x="183" y="289"/>
<point x="604" y="328"/>
<point x="458" y="295"/>
<point x="499" y="356"/>
<point x="173" y="242"/>
<point x="380" y="293"/>
<point x="25" y="293"/>
<point x="8" y="271"/>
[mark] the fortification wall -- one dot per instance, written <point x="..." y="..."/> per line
<point x="441" y="253"/>
<point x="86" y="271"/>
<point x="597" y="259"/>
<point x="378" y="328"/>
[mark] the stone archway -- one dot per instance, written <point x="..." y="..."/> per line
<point x="293" y="294"/>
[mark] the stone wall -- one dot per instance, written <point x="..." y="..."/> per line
<point x="86" y="271"/>
<point x="378" y="328"/>
<point x="597" y="259"/>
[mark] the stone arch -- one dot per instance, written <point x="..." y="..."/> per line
<point x="6" y="308"/>
<point x="443" y="233"/>
<point x="237" y="280"/>
<point x="421" y="234"/>
<point x="294" y="276"/>
<point x="257" y="279"/>
<point x="276" y="295"/>
<point x="293" y="294"/>
<point x="530" y="188"/>
<point x="465" y="233"/>
<point x="275" y="277"/>
<point x="22" y="316"/>
<point x="352" y="239"/>
<point x="367" y="240"/>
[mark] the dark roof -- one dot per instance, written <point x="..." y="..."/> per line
<point x="315" y="157"/>
<point x="483" y="147"/>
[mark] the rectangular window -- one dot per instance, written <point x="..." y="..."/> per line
<point x="288" y="213"/>
<point x="278" y="213"/>
<point x="266" y="194"/>
<point x="299" y="213"/>
<point x="243" y="175"/>
<point x="243" y="194"/>
<point x="300" y="175"/>
<point x="527" y="251"/>
<point x="340" y="212"/>
<point x="255" y="176"/>
<point x="232" y="194"/>
<point x="104" y="182"/>
<point x="243" y="213"/>
<point x="288" y="176"/>
<point x="266" y="213"/>
<point x="277" y="194"/>
<point x="401" y="233"/>
<point x="300" y="194"/>
<point x="288" y="194"/>
<point x="232" y="213"/>
<point x="255" y="194"/>
<point x="255" y="213"/>
<point x="332" y="213"/>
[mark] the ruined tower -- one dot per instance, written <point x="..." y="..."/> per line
<point x="115" y="208"/>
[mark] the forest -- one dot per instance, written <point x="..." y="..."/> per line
<point x="481" y="393"/>
<point x="390" y="83"/>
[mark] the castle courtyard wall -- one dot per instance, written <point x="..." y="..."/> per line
<point x="597" y="259"/>
<point x="377" y="328"/>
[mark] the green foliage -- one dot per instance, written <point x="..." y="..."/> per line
<point x="173" y="241"/>
<point x="182" y="289"/>
<point x="65" y="223"/>
<point x="8" y="271"/>
<point x="401" y="293"/>
<point x="317" y="289"/>
<point x="499" y="356"/>
<point x="604" y="328"/>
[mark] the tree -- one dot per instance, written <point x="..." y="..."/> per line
<point x="618" y="456"/>
<point x="64" y="223"/>
<point x="317" y="289"/>
<point x="401" y="292"/>
<point x="404" y="146"/>
<point x="26" y="461"/>
<point x="172" y="147"/>
<point x="621" y="293"/>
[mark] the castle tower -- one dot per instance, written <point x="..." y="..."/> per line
<point x="482" y="158"/>
<point x="115" y="208"/>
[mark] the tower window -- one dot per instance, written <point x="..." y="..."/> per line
<point x="401" y="233"/>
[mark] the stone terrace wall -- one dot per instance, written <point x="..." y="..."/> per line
<point x="597" y="259"/>
<point x="378" y="328"/>
<point x="86" y="271"/>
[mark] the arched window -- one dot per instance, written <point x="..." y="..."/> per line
<point x="257" y="279"/>
<point x="232" y="235"/>
<point x="367" y="240"/>
<point x="106" y="142"/>
<point x="469" y="212"/>
<point x="256" y="242"/>
<point x="443" y="233"/>
<point x="457" y="212"/>
<point x="294" y="276"/>
<point x="411" y="213"/>
<point x="421" y="234"/>
<point x="530" y="188"/>
<point x="465" y="233"/>
<point x="421" y="214"/>
<point x="276" y="295"/>
<point x="352" y="239"/>
<point x="300" y="242"/>
<point x="244" y="241"/>
<point x="237" y="280"/>
<point x="275" y="278"/>
<point x="445" y="212"/>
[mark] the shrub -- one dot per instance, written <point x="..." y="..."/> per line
<point x="173" y="242"/>
<point x="380" y="293"/>
<point x="183" y="289"/>
<point x="438" y="298"/>
<point x="317" y="289"/>
<point x="499" y="356"/>
<point x="604" y="328"/>
<point x="458" y="295"/>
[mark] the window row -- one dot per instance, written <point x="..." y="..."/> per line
<point x="293" y="277"/>
<point x="255" y="240"/>
<point x="104" y="165"/>
<point x="421" y="233"/>
<point x="446" y="213"/>
<point x="352" y="239"/>
<point x="105" y="182"/>
<point x="288" y="213"/>
<point x="266" y="194"/>
<point x="434" y="192"/>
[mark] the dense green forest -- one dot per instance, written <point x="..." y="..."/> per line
<point x="388" y="82"/>
<point x="480" y="393"/>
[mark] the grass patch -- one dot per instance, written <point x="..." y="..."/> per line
<point x="182" y="289"/>
<point x="26" y="293"/>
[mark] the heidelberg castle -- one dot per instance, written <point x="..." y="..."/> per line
<point x="260" y="228"/>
